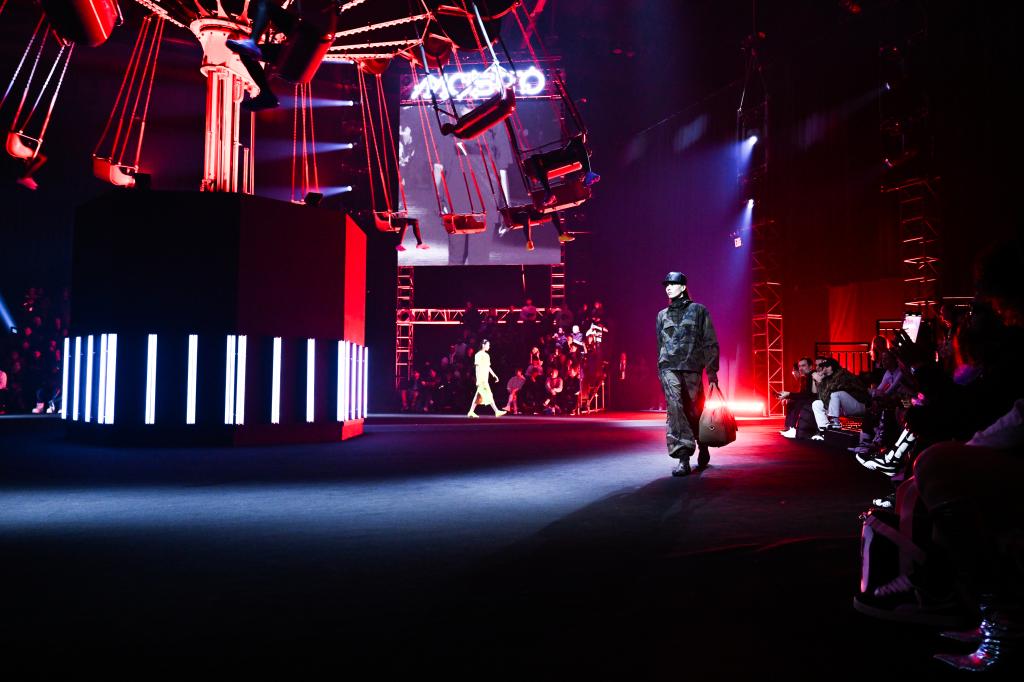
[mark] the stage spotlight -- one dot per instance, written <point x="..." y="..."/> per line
<point x="313" y="199"/>
<point x="5" y="315"/>
<point x="737" y="241"/>
<point x="750" y="203"/>
<point x="752" y="140"/>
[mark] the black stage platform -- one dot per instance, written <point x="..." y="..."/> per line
<point x="486" y="549"/>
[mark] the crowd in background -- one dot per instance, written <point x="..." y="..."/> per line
<point x="549" y="361"/>
<point x="31" y="354"/>
<point x="942" y="416"/>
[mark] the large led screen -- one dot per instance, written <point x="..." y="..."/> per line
<point x="467" y="169"/>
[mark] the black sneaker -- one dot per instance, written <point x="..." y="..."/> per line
<point x="900" y="600"/>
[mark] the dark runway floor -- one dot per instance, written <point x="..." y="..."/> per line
<point x="486" y="549"/>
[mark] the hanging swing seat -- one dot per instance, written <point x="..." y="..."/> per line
<point x="557" y="171"/>
<point x="118" y="174"/>
<point x="479" y="120"/>
<point x="567" y="195"/>
<point x="517" y="217"/>
<point x="22" y="146"/>
<point x="302" y="53"/>
<point x="436" y="48"/>
<point x="464" y="223"/>
<point x="389" y="221"/>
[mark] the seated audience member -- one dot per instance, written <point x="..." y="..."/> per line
<point x="554" y="386"/>
<point x="839" y="394"/>
<point x="576" y="342"/>
<point x="799" y="399"/>
<point x="533" y="396"/>
<point x="561" y="340"/>
<point x="429" y="382"/>
<point x="879" y="345"/>
<point x="949" y="324"/>
<point x="880" y="418"/>
<point x="408" y="390"/>
<point x="570" y="395"/>
<point x="595" y="335"/>
<point x="3" y="392"/>
<point x="514" y="385"/>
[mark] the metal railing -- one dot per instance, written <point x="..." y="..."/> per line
<point x="853" y="356"/>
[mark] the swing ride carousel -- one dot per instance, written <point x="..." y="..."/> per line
<point x="208" y="287"/>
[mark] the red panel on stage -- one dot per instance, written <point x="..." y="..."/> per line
<point x="355" y="283"/>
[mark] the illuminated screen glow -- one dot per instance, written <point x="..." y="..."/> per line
<point x="493" y="163"/>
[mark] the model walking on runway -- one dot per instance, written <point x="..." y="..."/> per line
<point x="483" y="395"/>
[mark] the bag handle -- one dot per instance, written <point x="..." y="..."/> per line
<point x="714" y="388"/>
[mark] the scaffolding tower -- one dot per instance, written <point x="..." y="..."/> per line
<point x="919" y="241"/>
<point x="404" y="324"/>
<point x="407" y="316"/>
<point x="766" y="286"/>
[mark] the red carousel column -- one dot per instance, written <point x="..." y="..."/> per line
<point x="226" y="82"/>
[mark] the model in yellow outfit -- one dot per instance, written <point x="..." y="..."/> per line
<point x="483" y="395"/>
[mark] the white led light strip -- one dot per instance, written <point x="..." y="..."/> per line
<point x="101" y="394"/>
<point x="275" y="388"/>
<point x="89" y="348"/>
<point x="240" y="382"/>
<point x="78" y="377"/>
<point x="193" y="368"/>
<point x="310" y="379"/>
<point x="108" y="403"/>
<point x="229" y="382"/>
<point x="64" y="384"/>
<point x="151" y="380"/>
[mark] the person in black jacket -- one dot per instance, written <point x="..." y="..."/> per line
<point x="798" y="400"/>
<point x="687" y="346"/>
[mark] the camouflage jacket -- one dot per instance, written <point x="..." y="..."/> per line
<point x="841" y="380"/>
<point x="687" y="339"/>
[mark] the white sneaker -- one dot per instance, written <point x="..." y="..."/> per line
<point x="817" y="436"/>
<point x="788" y="433"/>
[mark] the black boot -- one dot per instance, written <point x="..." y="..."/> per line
<point x="682" y="468"/>
<point x="703" y="457"/>
<point x="996" y="632"/>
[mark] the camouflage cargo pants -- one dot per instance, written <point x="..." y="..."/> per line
<point x="684" y="400"/>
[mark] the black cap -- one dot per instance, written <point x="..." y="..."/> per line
<point x="674" y="278"/>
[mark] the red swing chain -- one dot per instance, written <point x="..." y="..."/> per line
<point x="368" y="125"/>
<point x="391" y="138"/>
<point x="428" y="134"/>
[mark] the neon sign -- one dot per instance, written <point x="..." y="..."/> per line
<point x="476" y="84"/>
